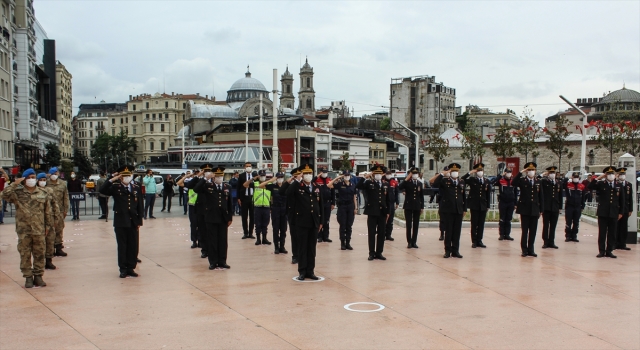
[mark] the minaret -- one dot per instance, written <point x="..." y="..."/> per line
<point x="306" y="95"/>
<point x="287" y="100"/>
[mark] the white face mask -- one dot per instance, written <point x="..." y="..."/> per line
<point x="378" y="177"/>
<point x="324" y="175"/>
<point x="280" y="180"/>
<point x="218" y="179"/>
<point x="622" y="177"/>
<point x="575" y="180"/>
<point x="531" y="173"/>
<point x="552" y="176"/>
<point x="414" y="176"/>
<point x="611" y="177"/>
<point x="263" y="178"/>
<point x="480" y="173"/>
<point x="127" y="179"/>
<point x="31" y="182"/>
<point x="73" y="176"/>
<point x="454" y="174"/>
<point x="42" y="183"/>
<point x="208" y="174"/>
<point x="54" y="177"/>
<point x="507" y="175"/>
<point x="248" y="169"/>
<point x="388" y="177"/>
<point x="307" y="177"/>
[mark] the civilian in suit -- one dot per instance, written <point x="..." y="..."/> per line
<point x="245" y="200"/>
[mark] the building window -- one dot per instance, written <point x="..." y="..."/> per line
<point x="166" y="104"/>
<point x="308" y="103"/>
<point x="121" y="120"/>
<point x="113" y="132"/>
<point x="134" y="118"/>
<point x="90" y="133"/>
<point x="308" y="82"/>
<point x="151" y="127"/>
<point x="166" y="116"/>
<point x="134" y="107"/>
<point x="340" y="146"/>
<point x="91" y="124"/>
<point x="184" y="106"/>
<point x="162" y="146"/>
<point x="151" y="146"/>
<point x="133" y="130"/>
<point x="147" y="117"/>
<point x="147" y="105"/>
<point x="113" y="121"/>
<point x="431" y="164"/>
<point x="162" y="127"/>
<point x="153" y="116"/>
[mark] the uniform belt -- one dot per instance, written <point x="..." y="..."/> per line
<point x="261" y="206"/>
<point x="344" y="202"/>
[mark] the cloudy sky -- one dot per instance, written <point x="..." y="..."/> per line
<point x="498" y="54"/>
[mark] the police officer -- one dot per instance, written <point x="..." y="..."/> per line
<point x="377" y="202"/>
<point x="530" y="206"/>
<point x="33" y="217"/>
<point x="394" y="199"/>
<point x="128" y="207"/>
<point x="61" y="197"/>
<point x="345" y="187"/>
<point x="452" y="207"/>
<point x="576" y="197"/>
<point x="245" y="200"/>
<point x="552" y="189"/>
<point x="623" y="223"/>
<point x="195" y="203"/>
<point x="307" y="218"/>
<point x="51" y="237"/>
<point x="507" y="199"/>
<point x="413" y="205"/>
<point x="441" y="225"/>
<point x="296" y="177"/>
<point x="187" y="182"/>
<point x="278" y="211"/>
<point x="216" y="207"/>
<point x="478" y="202"/>
<point x="611" y="206"/>
<point x="329" y="203"/>
<point x="261" y="205"/>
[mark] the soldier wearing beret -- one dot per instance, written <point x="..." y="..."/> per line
<point x="530" y="206"/>
<point x="478" y="202"/>
<point x="611" y="206"/>
<point x="60" y="195"/>
<point x="51" y="237"/>
<point x="552" y="189"/>
<point x="452" y="207"/>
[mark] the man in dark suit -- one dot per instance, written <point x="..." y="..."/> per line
<point x="611" y="206"/>
<point x="296" y="177"/>
<point x="478" y="202"/>
<point x="375" y="191"/>
<point x="530" y="206"/>
<point x="128" y="208"/>
<point x="552" y="189"/>
<point x="623" y="223"/>
<point x="413" y="205"/>
<point x="216" y="207"/>
<point x="245" y="200"/>
<point x="308" y="219"/>
<point x="452" y="207"/>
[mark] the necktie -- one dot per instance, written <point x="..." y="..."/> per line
<point x="455" y="182"/>
<point x="415" y="183"/>
<point x="219" y="188"/>
<point x="481" y="182"/>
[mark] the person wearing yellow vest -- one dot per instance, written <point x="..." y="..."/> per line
<point x="261" y="205"/>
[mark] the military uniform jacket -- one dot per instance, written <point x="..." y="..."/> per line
<point x="393" y="194"/>
<point x="308" y="210"/>
<point x="452" y="197"/>
<point x="479" y="193"/>
<point x="628" y="195"/>
<point x="376" y="194"/>
<point x="278" y="198"/>
<point x="216" y="203"/>
<point x="611" y="199"/>
<point x="414" y="194"/>
<point x="552" y="195"/>
<point x="531" y="201"/>
<point x="55" y="208"/>
<point x="33" y="209"/>
<point x="576" y="194"/>
<point x="507" y="192"/>
<point x="329" y="194"/>
<point x="128" y="204"/>
<point x="289" y="198"/>
<point x="60" y="194"/>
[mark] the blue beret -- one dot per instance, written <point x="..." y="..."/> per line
<point x="41" y="176"/>
<point x="28" y="172"/>
<point x="53" y="170"/>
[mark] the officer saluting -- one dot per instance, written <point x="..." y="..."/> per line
<point x="329" y="204"/>
<point x="128" y="208"/>
<point x="576" y="194"/>
<point x="296" y="177"/>
<point x="507" y="198"/>
<point x="216" y="211"/>
<point x="345" y="186"/>
<point x="278" y="211"/>
<point x="478" y="202"/>
<point x="611" y="205"/>
<point x="530" y="206"/>
<point x="623" y="223"/>
<point x="452" y="208"/>
<point x="413" y="205"/>
<point x="375" y="191"/>
<point x="394" y="201"/>
<point x="552" y="189"/>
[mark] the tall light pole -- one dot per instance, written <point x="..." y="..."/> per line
<point x="417" y="158"/>
<point x="184" y="130"/>
<point x="274" y="147"/>
<point x="401" y="145"/>
<point x="246" y="138"/>
<point x="583" y="150"/>
<point x="260" y="147"/>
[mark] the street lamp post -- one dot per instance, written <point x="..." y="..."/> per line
<point x="275" y="149"/>
<point x="417" y="158"/>
<point x="260" y="136"/>
<point x="583" y="150"/>
<point x="399" y="144"/>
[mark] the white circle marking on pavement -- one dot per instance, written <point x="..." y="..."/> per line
<point x="348" y="307"/>
<point x="306" y="280"/>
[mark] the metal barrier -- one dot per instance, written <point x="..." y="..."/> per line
<point x="87" y="204"/>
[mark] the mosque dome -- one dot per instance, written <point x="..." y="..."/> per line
<point x="246" y="88"/>
<point x="623" y="99"/>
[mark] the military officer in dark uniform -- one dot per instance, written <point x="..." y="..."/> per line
<point x="329" y="203"/>
<point x="278" y="211"/>
<point x="611" y="206"/>
<point x="296" y="177"/>
<point x="530" y="206"/>
<point x="345" y="187"/>
<point x="576" y="197"/>
<point x="552" y="189"/>
<point x="623" y="223"/>
<point x="216" y="211"/>
<point x="375" y="191"/>
<point x="128" y="208"/>
<point x="394" y="199"/>
<point x="452" y="207"/>
<point x="308" y="219"/>
<point x="478" y="202"/>
<point x="413" y="205"/>
<point x="245" y="201"/>
<point x="507" y="199"/>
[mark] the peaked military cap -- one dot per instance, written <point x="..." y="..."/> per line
<point x="295" y="171"/>
<point x="307" y="169"/>
<point x="622" y="170"/>
<point x="279" y="174"/>
<point x="378" y="169"/>
<point x="207" y="167"/>
<point x="576" y="174"/>
<point x="552" y="169"/>
<point x="262" y="172"/>
<point x="531" y="166"/>
<point x="125" y="170"/>
<point x="609" y="170"/>
<point x="219" y="170"/>
<point x="414" y="170"/>
<point x="454" y="167"/>
<point x="479" y="166"/>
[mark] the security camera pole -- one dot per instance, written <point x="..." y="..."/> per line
<point x="583" y="150"/>
<point x="417" y="159"/>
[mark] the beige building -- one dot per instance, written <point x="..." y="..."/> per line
<point x="91" y="122"/>
<point x="64" y="110"/>
<point x="377" y="153"/>
<point x="6" y="95"/>
<point x="487" y="121"/>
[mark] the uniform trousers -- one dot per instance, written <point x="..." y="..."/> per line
<point x="217" y="241"/>
<point x="376" y="229"/>
<point x="506" y="215"/>
<point x="203" y="238"/>
<point x="572" y="222"/>
<point x="31" y="245"/>
<point x="452" y="223"/>
<point x="293" y="232"/>
<point x="389" y="226"/>
<point x="478" y="218"/>
<point x="324" y="233"/>
<point x="247" y="216"/>
<point x="623" y="230"/>
<point x="193" y="224"/>
<point x="127" y="239"/>
<point x="262" y="216"/>
<point x="346" y="217"/>
<point x="549" y="223"/>
<point x="104" y="207"/>
<point x="529" y="225"/>
<point x="607" y="230"/>
<point x="413" y="224"/>
<point x="49" y="242"/>
<point x="306" y="249"/>
<point x="279" y="225"/>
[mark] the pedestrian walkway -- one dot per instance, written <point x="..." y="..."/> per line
<point x="490" y="299"/>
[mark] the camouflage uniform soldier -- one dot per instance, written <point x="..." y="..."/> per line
<point x="61" y="197"/>
<point x="51" y="237"/>
<point x="33" y="215"/>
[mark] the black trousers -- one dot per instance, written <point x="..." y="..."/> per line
<point x="376" y="227"/>
<point x="127" y="240"/>
<point x="293" y="232"/>
<point x="412" y="218"/>
<point x="247" y="216"/>
<point x="452" y="224"/>
<point x="307" y="249"/>
<point x="324" y="233"/>
<point x="506" y="215"/>
<point x="262" y="216"/>
<point x="346" y="217"/>
<point x="217" y="242"/>
<point x="549" y="223"/>
<point x="166" y="196"/>
<point x="202" y="226"/>
<point x="193" y="224"/>
<point x="572" y="222"/>
<point x="607" y="230"/>
<point x="529" y="224"/>
<point x="478" y="218"/>
<point x="392" y="214"/>
<point x="623" y="231"/>
<point x="180" y="195"/>
<point x="279" y="225"/>
<point x="104" y="208"/>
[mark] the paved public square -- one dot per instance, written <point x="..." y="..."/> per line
<point x="490" y="299"/>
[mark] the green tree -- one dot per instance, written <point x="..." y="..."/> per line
<point x="436" y="146"/>
<point x="66" y="167"/>
<point x="472" y="143"/>
<point x="385" y="124"/>
<point x="610" y="136"/>
<point x="52" y="157"/>
<point x="83" y="163"/>
<point x="123" y="146"/>
<point x="557" y="142"/>
<point x="110" y="151"/>
<point x="631" y="133"/>
<point x="526" y="135"/>
<point x="462" y="120"/>
<point x="345" y="162"/>
<point x="503" y="146"/>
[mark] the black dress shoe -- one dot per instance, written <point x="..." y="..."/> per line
<point x="481" y="245"/>
<point x="533" y="255"/>
<point x="138" y="260"/>
<point x="152" y="217"/>
<point x="132" y="273"/>
<point x="327" y="240"/>
<point x="123" y="275"/>
<point x="265" y="241"/>
<point x="312" y="277"/>
<point x="245" y="237"/>
<point x="409" y="246"/>
<point x="194" y="245"/>
<point x="102" y="217"/>
<point x="568" y="240"/>
<point x="390" y="239"/>
<point x="473" y="245"/>
<point x="553" y="246"/>
<point x="508" y="238"/>
<point x="343" y="246"/>
<point x="524" y="255"/>
<point x="276" y="251"/>
<point x="294" y="260"/>
<point x="456" y="255"/>
<point x="600" y="255"/>
<point x="625" y="248"/>
<point x="544" y="246"/>
<point x="501" y="238"/>
<point x="162" y="210"/>
<point x="224" y="265"/>
<point x="203" y="255"/>
<point x="258" y="241"/>
<point x="319" y="240"/>
<point x="380" y="257"/>
<point x="251" y="236"/>
<point x="283" y="251"/>
<point x="212" y="266"/>
<point x="300" y="278"/>
<point x="441" y="237"/>
<point x="414" y="246"/>
<point x="610" y="255"/>
<point x="447" y="255"/>
<point x="371" y="257"/>
<point x="349" y="247"/>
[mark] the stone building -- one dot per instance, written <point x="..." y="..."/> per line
<point x="91" y="122"/>
<point x="486" y="121"/>
<point x="64" y="110"/>
<point x="306" y="94"/>
<point x="7" y="51"/>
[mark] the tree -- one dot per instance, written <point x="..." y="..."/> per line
<point x="462" y="120"/>
<point x="385" y="124"/>
<point x="472" y="143"/>
<point x="52" y="157"/>
<point x="123" y="146"/>
<point x="610" y="136"/>
<point x="526" y="135"/>
<point x="345" y="162"/>
<point x="503" y="146"/>
<point x="110" y="151"/>
<point x="66" y="167"/>
<point x="557" y="143"/>
<point x="631" y="133"/>
<point x="82" y="162"/>
<point x="437" y="147"/>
